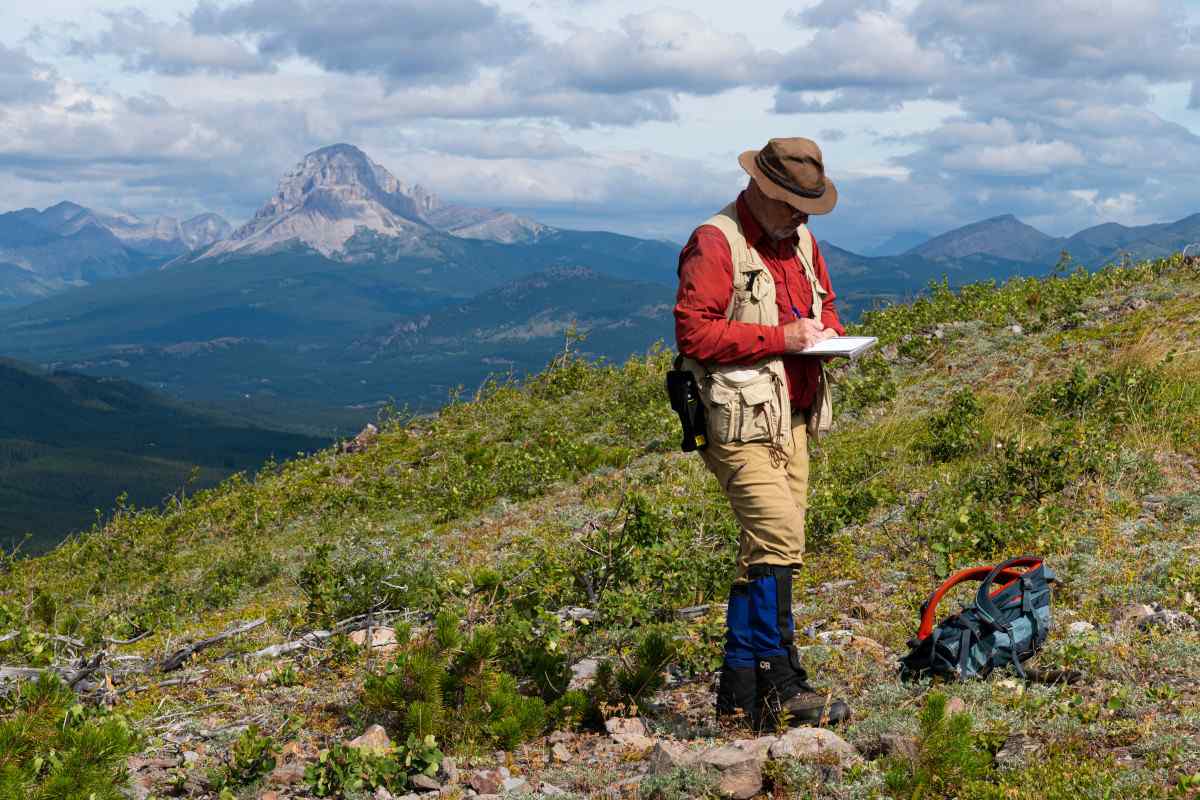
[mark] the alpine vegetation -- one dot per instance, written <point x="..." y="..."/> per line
<point x="525" y="592"/>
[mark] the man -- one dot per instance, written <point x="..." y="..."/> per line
<point x="754" y="292"/>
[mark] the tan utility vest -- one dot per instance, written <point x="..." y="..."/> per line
<point x="750" y="403"/>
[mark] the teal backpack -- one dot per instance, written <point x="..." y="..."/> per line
<point x="1003" y="627"/>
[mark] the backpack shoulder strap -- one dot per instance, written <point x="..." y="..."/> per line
<point x="1005" y="572"/>
<point x="929" y="607"/>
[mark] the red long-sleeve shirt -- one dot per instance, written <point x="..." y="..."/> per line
<point x="706" y="285"/>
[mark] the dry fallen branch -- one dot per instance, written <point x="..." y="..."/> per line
<point x="120" y="642"/>
<point x="180" y="681"/>
<point x="54" y="637"/>
<point x="315" y="638"/>
<point x="71" y="677"/>
<point x="183" y="654"/>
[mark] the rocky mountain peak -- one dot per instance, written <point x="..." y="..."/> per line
<point x="338" y="193"/>
<point x="203" y="230"/>
<point x="334" y="179"/>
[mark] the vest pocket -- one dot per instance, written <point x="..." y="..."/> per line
<point x="722" y="404"/>
<point x="743" y="411"/>
<point x="757" y="410"/>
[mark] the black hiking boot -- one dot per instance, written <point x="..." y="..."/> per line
<point x="736" y="695"/>
<point x="785" y="697"/>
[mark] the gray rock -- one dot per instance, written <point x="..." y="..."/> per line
<point x="619" y="725"/>
<point x="449" y="770"/>
<point x="550" y="790"/>
<point x="287" y="775"/>
<point x="1080" y="628"/>
<point x="486" y="781"/>
<point x="1016" y="329"/>
<point x="514" y="784"/>
<point x="1131" y="614"/>
<point x="190" y="757"/>
<point x="425" y="783"/>
<point x="1017" y="751"/>
<point x="374" y="740"/>
<point x="1168" y="620"/>
<point x="814" y="744"/>
<point x="739" y="771"/>
<point x="583" y="673"/>
<point x="629" y="732"/>
<point x="561" y="753"/>
<point x="892" y="745"/>
<point x="760" y="747"/>
<point x="668" y="755"/>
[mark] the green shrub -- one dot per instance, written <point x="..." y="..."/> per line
<point x="662" y="554"/>
<point x="449" y="686"/>
<point x="251" y="757"/>
<point x="53" y="748"/>
<point x="845" y="487"/>
<point x="344" y="771"/>
<point x="864" y="383"/>
<point x="955" y="432"/>
<point x="948" y="756"/>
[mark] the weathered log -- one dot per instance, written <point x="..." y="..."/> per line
<point x="183" y="654"/>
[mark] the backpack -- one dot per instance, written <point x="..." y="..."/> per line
<point x="1004" y="626"/>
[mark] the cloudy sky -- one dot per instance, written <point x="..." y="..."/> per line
<point x="614" y="115"/>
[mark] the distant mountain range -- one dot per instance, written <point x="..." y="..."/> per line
<point x="350" y="288"/>
<point x="70" y="444"/>
<point x="67" y="245"/>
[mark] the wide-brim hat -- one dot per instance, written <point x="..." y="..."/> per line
<point x="792" y="171"/>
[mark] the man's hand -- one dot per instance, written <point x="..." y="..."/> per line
<point x="804" y="333"/>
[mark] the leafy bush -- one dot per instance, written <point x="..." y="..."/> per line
<point x="662" y="554"/>
<point x="251" y="757"/>
<point x="864" y="383"/>
<point x="845" y="487"/>
<point x="343" y="771"/>
<point x="955" y="432"/>
<point x="52" y="748"/>
<point x="340" y="585"/>
<point x="948" y="756"/>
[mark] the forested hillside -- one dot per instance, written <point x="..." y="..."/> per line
<point x="71" y="444"/>
<point x="523" y="539"/>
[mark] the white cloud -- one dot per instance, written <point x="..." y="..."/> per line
<point x="145" y="44"/>
<point x="1021" y="158"/>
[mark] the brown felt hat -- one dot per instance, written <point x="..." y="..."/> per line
<point x="792" y="171"/>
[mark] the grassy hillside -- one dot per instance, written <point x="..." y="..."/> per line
<point x="1060" y="417"/>
<point x="71" y="444"/>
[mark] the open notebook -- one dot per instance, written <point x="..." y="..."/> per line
<point x="850" y="346"/>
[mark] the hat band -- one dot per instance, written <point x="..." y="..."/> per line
<point x="782" y="180"/>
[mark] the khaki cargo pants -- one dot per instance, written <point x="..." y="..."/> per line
<point x="768" y="491"/>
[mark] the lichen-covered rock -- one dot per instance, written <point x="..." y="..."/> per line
<point x="668" y="755"/>
<point x="739" y="770"/>
<point x="814" y="744"/>
<point x="374" y="740"/>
